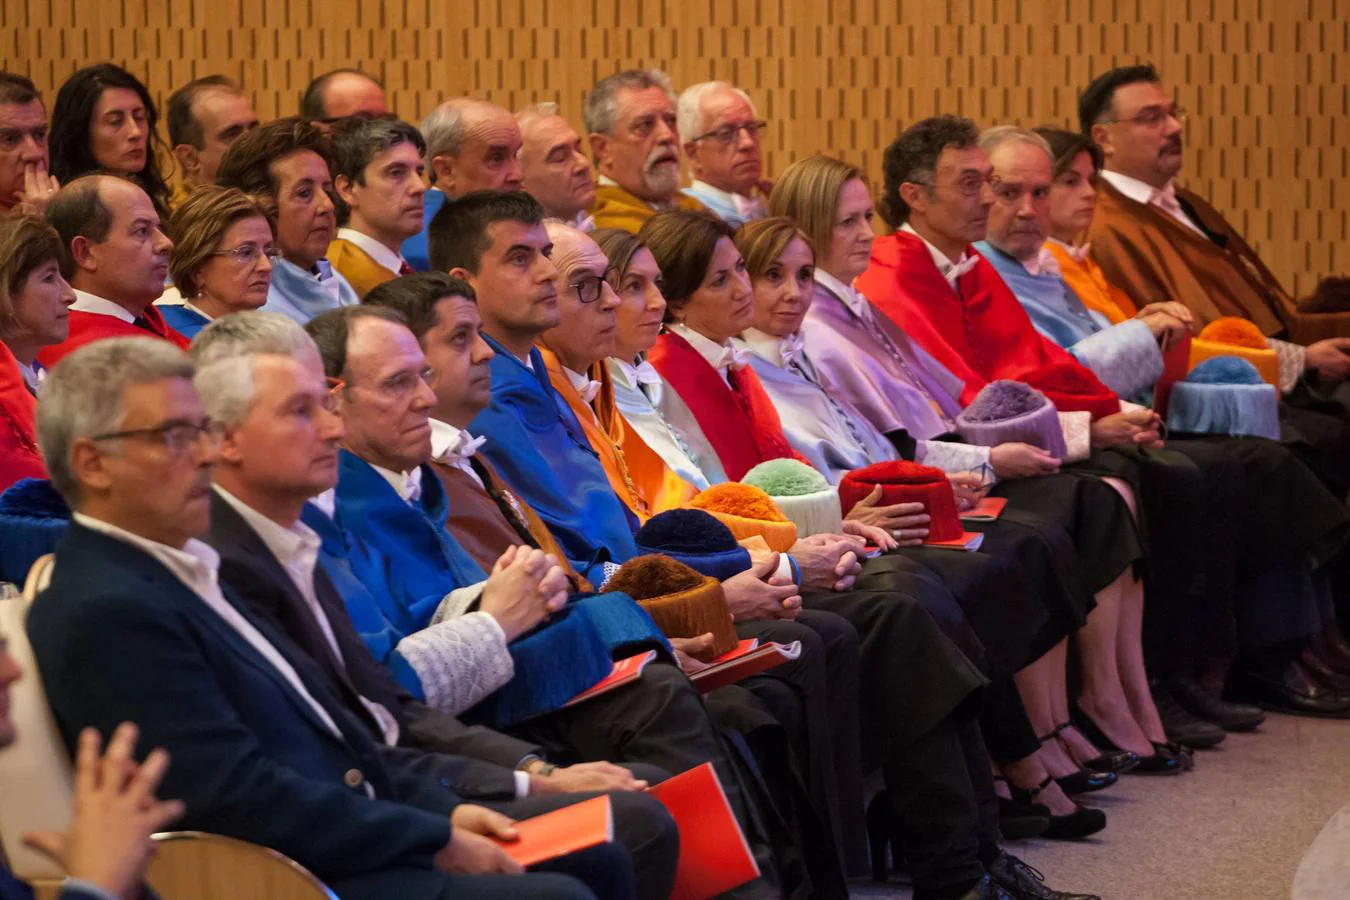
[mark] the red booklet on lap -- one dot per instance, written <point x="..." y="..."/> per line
<point x="624" y="671"/>
<point x="987" y="510"/>
<point x="571" y="829"/>
<point x="749" y="658"/>
<point x="714" y="854"/>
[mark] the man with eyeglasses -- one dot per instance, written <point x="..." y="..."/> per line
<point x="723" y="151"/>
<point x="116" y="259"/>
<point x="377" y="177"/>
<point x="635" y="138"/>
<point x="1158" y="242"/>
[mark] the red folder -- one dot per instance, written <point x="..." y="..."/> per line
<point x="714" y="855"/>
<point x="969" y="540"/>
<point x="749" y="658"/>
<point x="624" y="671"/>
<point x="987" y="510"/>
<point x="568" y="830"/>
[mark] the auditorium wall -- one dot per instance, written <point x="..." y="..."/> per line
<point x="1264" y="80"/>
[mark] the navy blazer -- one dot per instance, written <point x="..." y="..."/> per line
<point x="117" y="638"/>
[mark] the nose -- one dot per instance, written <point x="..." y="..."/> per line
<point x="33" y="150"/>
<point x="9" y="669"/>
<point x="134" y="129"/>
<point x="67" y="292"/>
<point x="331" y="426"/>
<point x="264" y="263"/>
<point x="324" y="203"/>
<point x="987" y="194"/>
<point x="545" y="269"/>
<point x="744" y="141"/>
<point x="655" y="299"/>
<point x="514" y="175"/>
<point x="425" y="397"/>
<point x="664" y="132"/>
<point x="791" y="291"/>
<point x="579" y="161"/>
<point x="608" y="298"/>
<point x="482" y="351"/>
<point x="741" y="286"/>
<point x="162" y="242"/>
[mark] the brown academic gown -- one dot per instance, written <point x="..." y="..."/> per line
<point x="1154" y="258"/>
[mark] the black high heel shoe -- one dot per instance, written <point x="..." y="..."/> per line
<point x="881" y="837"/>
<point x="1117" y="761"/>
<point x="1080" y="823"/>
<point x="1087" y="780"/>
<point x="1019" y="821"/>
<point x="1162" y="762"/>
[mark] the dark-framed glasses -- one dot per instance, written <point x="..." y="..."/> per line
<point x="727" y="133"/>
<point x="588" y="288"/>
<point x="177" y="435"/>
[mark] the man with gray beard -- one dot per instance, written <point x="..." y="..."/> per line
<point x="630" y="117"/>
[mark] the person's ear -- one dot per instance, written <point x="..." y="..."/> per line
<point x="87" y="464"/>
<point x="916" y="196"/>
<point x="189" y="163"/>
<point x="599" y="144"/>
<point x="443" y="167"/>
<point x="462" y="274"/>
<point x="83" y="253"/>
<point x="1101" y="136"/>
<point x="342" y="186"/>
<point x="231" y="446"/>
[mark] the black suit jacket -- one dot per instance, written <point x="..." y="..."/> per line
<point x="119" y="638"/>
<point x="474" y="761"/>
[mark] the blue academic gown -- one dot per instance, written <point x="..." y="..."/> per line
<point x="417" y="249"/>
<point x="536" y="443"/>
<point x="186" y="322"/>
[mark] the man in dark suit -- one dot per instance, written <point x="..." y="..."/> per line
<point x="136" y="627"/>
<point x="270" y="463"/>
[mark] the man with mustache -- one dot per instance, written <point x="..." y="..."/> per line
<point x="377" y="176"/>
<point x="635" y="138"/>
<point x="286" y="163"/>
<point x="1158" y="242"/>
<point x="723" y="131"/>
<point x="554" y="168"/>
<point x="116" y="258"/>
<point x="472" y="145"/>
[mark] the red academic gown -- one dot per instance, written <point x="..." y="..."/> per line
<point x="979" y="332"/>
<point x="86" y="327"/>
<point x="742" y="425"/>
<point x="19" y="456"/>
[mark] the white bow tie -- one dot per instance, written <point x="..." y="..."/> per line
<point x="1079" y="254"/>
<point x="733" y="358"/>
<point x="465" y="447"/>
<point x="791" y="348"/>
<point x="645" y="373"/>
<point x="1043" y="263"/>
<point x="961" y="268"/>
<point x="412" y="485"/>
<point x="588" y="391"/>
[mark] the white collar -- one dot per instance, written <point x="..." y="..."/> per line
<point x="195" y="563"/>
<point x="188" y="304"/>
<point x="449" y="443"/>
<point x="1136" y="190"/>
<point x="387" y="258"/>
<point x="719" y="356"/>
<point x="744" y="206"/>
<point x="636" y="375"/>
<point x="781" y="352"/>
<point x="950" y="270"/>
<point x="86" y="302"/>
<point x="853" y="298"/>
<point x="408" y="485"/>
<point x="1077" y="252"/>
<point x="298" y="543"/>
<point x="583" y="384"/>
<point x="33" y="375"/>
<point x="584" y="222"/>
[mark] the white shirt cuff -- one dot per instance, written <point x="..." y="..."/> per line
<point x="522" y="784"/>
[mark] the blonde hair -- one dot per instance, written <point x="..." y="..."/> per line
<point x="26" y="242"/>
<point x="808" y="193"/>
<point x="198" y="225"/>
<point x="762" y="241"/>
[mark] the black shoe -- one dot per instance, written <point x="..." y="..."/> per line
<point x="881" y="839"/>
<point x="1080" y="823"/>
<point x="1287" y="689"/>
<point x="1334" y="648"/>
<point x="1017" y="822"/>
<point x="1205" y="704"/>
<point x="1321" y="670"/>
<point x="1022" y="882"/>
<point x="1181" y="726"/>
<point x="1085" y="781"/>
<point x="1159" y="763"/>
<point x="1116" y="761"/>
<point x="987" y="889"/>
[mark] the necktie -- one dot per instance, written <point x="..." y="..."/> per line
<point x="404" y="268"/>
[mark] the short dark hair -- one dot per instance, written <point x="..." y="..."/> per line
<point x="312" y="102"/>
<point x="183" y="125"/>
<point x="332" y="330"/>
<point x="913" y="157"/>
<point x="247" y="165"/>
<point x="682" y="242"/>
<point x="1066" y="145"/>
<point x="458" y="234"/>
<point x="416" y="296"/>
<point x="77" y="210"/>
<point x="356" y="143"/>
<point x="17" y="89"/>
<point x="1098" y="100"/>
<point x="71" y="150"/>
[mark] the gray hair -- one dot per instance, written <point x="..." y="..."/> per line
<point x="534" y="112"/>
<point x="443" y="129"/>
<point x="993" y="138"/>
<point x="689" y="109"/>
<point x="602" y="107"/>
<point x="83" y="396"/>
<point x="225" y="351"/>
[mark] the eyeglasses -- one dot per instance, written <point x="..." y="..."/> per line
<point x="249" y="254"/>
<point x="730" y="131"/>
<point x="176" y="435"/>
<point x="588" y="288"/>
<point x="1155" y="116"/>
<point x="968" y="185"/>
<point x="396" y="386"/>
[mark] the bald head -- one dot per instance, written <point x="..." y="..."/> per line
<point x="343" y="93"/>
<point x="553" y="164"/>
<point x="472" y="146"/>
<point x="586" y="329"/>
<point x="114" y="247"/>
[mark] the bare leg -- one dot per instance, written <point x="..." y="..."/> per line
<point x="1103" y="697"/>
<point x="1130" y="658"/>
<point x="1044" y="693"/>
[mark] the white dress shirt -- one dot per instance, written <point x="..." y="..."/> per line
<point x="389" y="259"/>
<point x="92" y="303"/>
<point x="455" y="447"/>
<point x="782" y="352"/>
<point x="1164" y="198"/>
<point x="747" y="208"/>
<point x="950" y="270"/>
<point x="197" y="566"/>
<point x="297" y="549"/>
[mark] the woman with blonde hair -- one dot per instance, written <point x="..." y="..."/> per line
<point x="222" y="257"/>
<point x="34" y="313"/>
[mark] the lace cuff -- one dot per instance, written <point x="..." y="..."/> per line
<point x="1077" y="428"/>
<point x="1293" y="360"/>
<point x="458" y="602"/>
<point x="459" y="662"/>
<point x="950" y="456"/>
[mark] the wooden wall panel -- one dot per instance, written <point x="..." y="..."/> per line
<point x="1266" y="81"/>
